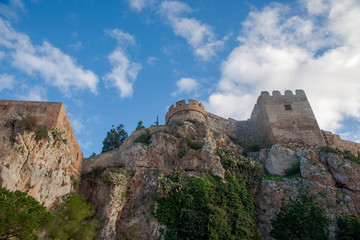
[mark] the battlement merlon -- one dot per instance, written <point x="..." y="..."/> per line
<point x="182" y="108"/>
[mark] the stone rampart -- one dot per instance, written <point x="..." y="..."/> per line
<point x="49" y="114"/>
<point x="286" y="119"/>
<point x="335" y="141"/>
<point x="182" y="111"/>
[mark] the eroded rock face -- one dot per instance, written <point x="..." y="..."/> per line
<point x="319" y="179"/>
<point x="40" y="168"/>
<point x="279" y="159"/>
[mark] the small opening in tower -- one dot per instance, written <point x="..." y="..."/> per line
<point x="77" y="156"/>
<point x="5" y="107"/>
<point x="288" y="107"/>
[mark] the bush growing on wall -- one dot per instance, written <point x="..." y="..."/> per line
<point x="349" y="228"/>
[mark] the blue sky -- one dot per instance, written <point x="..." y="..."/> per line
<point x="113" y="62"/>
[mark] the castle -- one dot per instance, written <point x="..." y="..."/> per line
<point x="286" y="119"/>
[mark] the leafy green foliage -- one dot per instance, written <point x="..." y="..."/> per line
<point x="41" y="133"/>
<point x="194" y="144"/>
<point x="349" y="228"/>
<point x="21" y="216"/>
<point x="114" y="138"/>
<point x="328" y="149"/>
<point x="144" y="138"/>
<point x="139" y="126"/>
<point x="114" y="176"/>
<point x="29" y="122"/>
<point x="294" y="170"/>
<point x="349" y="155"/>
<point x="74" y="219"/>
<point x="193" y="121"/>
<point x="182" y="153"/>
<point x="241" y="166"/>
<point x="179" y="123"/>
<point x="301" y="219"/>
<point x="74" y="181"/>
<point x="207" y="208"/>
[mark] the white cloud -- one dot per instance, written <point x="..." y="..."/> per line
<point x="76" y="46"/>
<point x="122" y="37"/>
<point x="199" y="36"/>
<point x="185" y="85"/>
<point x="6" y="81"/>
<point x="9" y="10"/>
<point x="317" y="50"/>
<point x="2" y="55"/>
<point x="139" y="5"/>
<point x="76" y="124"/>
<point x="55" y="67"/>
<point x="123" y="73"/>
<point x="152" y="60"/>
<point x="33" y="93"/>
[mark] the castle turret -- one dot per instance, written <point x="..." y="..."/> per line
<point x="286" y="119"/>
<point x="182" y="111"/>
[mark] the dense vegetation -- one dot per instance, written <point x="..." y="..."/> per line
<point x="209" y="207"/>
<point x="349" y="228"/>
<point x="346" y="153"/>
<point x="144" y="138"/>
<point x="301" y="219"/>
<point x="22" y="217"/>
<point x="206" y="208"/>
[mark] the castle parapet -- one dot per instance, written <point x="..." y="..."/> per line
<point x="182" y="111"/>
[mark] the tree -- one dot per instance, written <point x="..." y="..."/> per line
<point x="139" y="126"/>
<point x="114" y="138"/>
<point x="74" y="219"/>
<point x="21" y="216"/>
<point x="301" y="219"/>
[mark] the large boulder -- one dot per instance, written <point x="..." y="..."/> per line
<point x="279" y="159"/>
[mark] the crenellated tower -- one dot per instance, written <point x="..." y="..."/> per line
<point x="286" y="119"/>
<point x="182" y="111"/>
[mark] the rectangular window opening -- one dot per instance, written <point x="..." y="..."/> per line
<point x="288" y="107"/>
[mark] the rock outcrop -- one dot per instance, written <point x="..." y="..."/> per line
<point x="41" y="168"/>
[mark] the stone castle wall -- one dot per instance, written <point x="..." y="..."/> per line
<point x="182" y="111"/>
<point x="335" y="141"/>
<point x="50" y="114"/>
<point x="286" y="119"/>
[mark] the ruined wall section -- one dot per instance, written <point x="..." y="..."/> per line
<point x="183" y="111"/>
<point x="286" y="119"/>
<point x="333" y="140"/>
<point x="49" y="114"/>
<point x="242" y="131"/>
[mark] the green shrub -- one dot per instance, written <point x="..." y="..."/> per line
<point x="241" y="166"/>
<point x="207" y="208"/>
<point x="349" y="155"/>
<point x="349" y="228"/>
<point x="293" y="170"/>
<point x="182" y="153"/>
<point x="144" y="138"/>
<point x="301" y="219"/>
<point x="41" y="133"/>
<point x="29" y="122"/>
<point x="74" y="181"/>
<point x="114" y="176"/>
<point x="74" y="219"/>
<point x="194" y="121"/>
<point x="328" y="149"/>
<point x="194" y="144"/>
<point x="21" y="216"/>
<point x="179" y="123"/>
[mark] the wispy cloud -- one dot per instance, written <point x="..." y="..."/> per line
<point x="124" y="72"/>
<point x="9" y="10"/>
<point x="33" y="93"/>
<point x="6" y="81"/>
<point x="46" y="61"/>
<point x="317" y="50"/>
<point x="199" y="36"/>
<point x="139" y="5"/>
<point x="185" y="85"/>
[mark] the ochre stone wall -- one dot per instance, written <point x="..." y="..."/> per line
<point x="335" y="141"/>
<point x="50" y="114"/>
<point x="286" y="119"/>
<point x="182" y="111"/>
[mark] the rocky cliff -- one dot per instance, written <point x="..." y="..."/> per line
<point x="124" y="194"/>
<point x="42" y="168"/>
